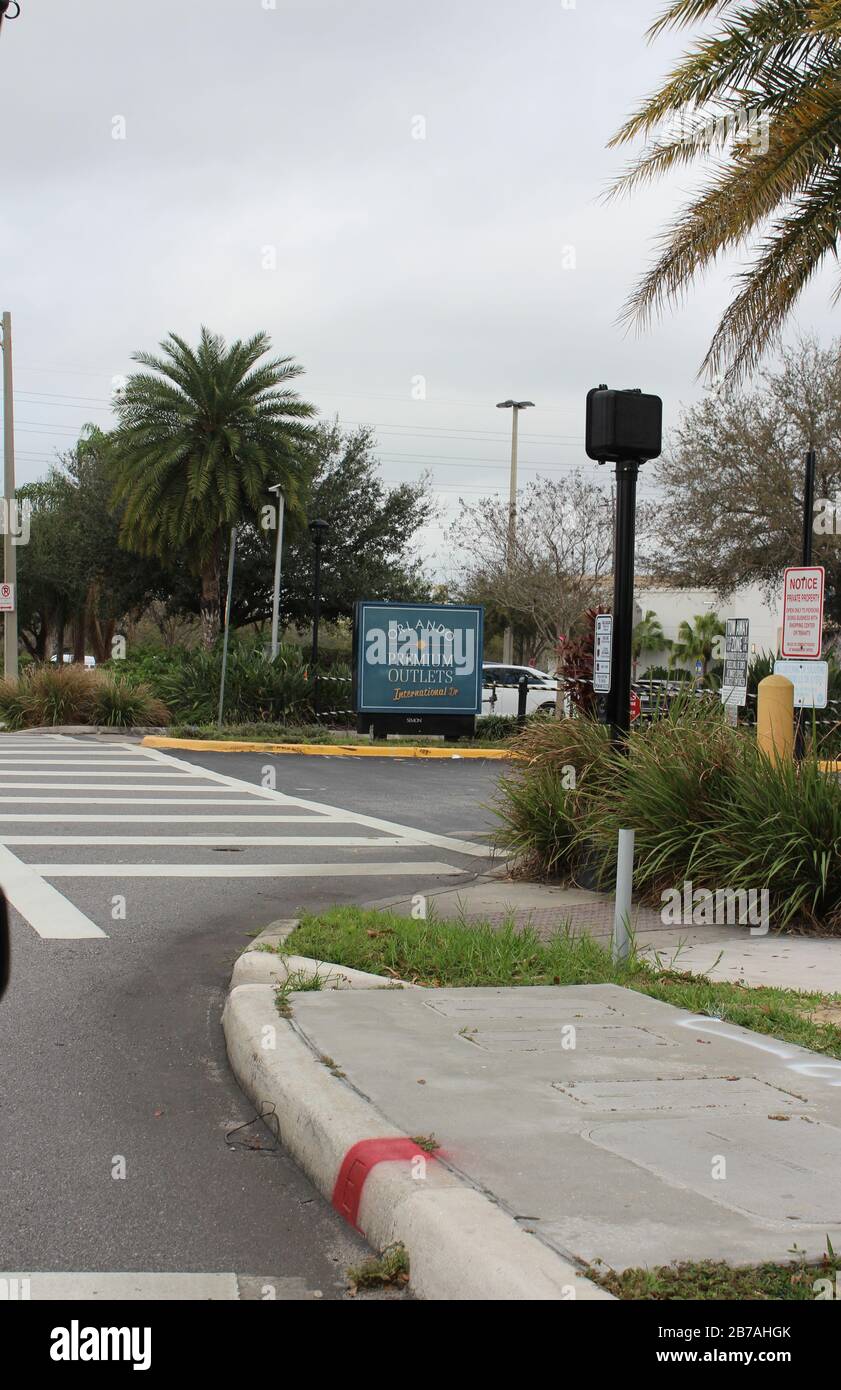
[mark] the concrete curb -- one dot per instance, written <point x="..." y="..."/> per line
<point x="462" y="1246"/>
<point x="324" y="750"/>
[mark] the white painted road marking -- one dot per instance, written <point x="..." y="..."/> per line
<point x="427" y="837"/>
<point x="244" y="870"/>
<point x="265" y="819"/>
<point x="161" y="1287"/>
<point x="299" y="841"/>
<point x="44" y="908"/>
<point x="108" y="784"/>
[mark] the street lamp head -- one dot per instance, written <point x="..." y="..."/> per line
<point x="515" y="405"/>
<point x="317" y="529"/>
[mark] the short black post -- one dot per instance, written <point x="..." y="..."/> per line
<point x="317" y="530"/>
<point x="619" y="697"/>
<point x="522" y="699"/>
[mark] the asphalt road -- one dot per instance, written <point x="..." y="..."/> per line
<point x="113" y="1055"/>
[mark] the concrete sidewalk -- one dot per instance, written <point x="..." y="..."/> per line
<point x="613" y="1126"/>
<point x="722" y="953"/>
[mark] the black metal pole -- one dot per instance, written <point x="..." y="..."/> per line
<point x="619" y="698"/>
<point x="808" y="506"/>
<point x="522" y="699"/>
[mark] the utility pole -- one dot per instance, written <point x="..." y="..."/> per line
<point x="232" y="550"/>
<point x="809" y="505"/>
<point x="276" y="590"/>
<point x="515" y="407"/>
<point x="317" y="529"/>
<point x="10" y="620"/>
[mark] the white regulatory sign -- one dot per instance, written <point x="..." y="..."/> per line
<point x="7" y="598"/>
<point x="602" y="650"/>
<point x="810" y="680"/>
<point x="803" y="587"/>
<point x="734" y="681"/>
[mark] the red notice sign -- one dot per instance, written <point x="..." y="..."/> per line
<point x="802" y="611"/>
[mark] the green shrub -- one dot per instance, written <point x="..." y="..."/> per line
<point x="497" y="726"/>
<point x="705" y="804"/>
<point x="538" y="813"/>
<point x="257" y="690"/>
<point x="12" y="705"/>
<point x="50" y="694"/>
<point x="69" y="694"/>
<point x="668" y="788"/>
<point x="778" y="826"/>
<point x="538" y="798"/>
<point x="122" y="703"/>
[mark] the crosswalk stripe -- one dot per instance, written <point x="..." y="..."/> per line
<point x="77" y="772"/>
<point x="355" y="870"/>
<point x="162" y="787"/>
<point x="427" y="837"/>
<point x="296" y="841"/>
<point x="45" y="909"/>
<point x="148" y="801"/>
<point x="142" y="1287"/>
<point x="75" y="818"/>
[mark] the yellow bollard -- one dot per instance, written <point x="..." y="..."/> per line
<point x="775" y="718"/>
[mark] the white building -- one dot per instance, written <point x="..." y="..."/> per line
<point x="674" y="606"/>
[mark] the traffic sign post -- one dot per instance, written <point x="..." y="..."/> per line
<point x="624" y="428"/>
<point x="803" y="593"/>
<point x="602" y="653"/>
<point x="734" y="685"/>
<point x="810" y="680"/>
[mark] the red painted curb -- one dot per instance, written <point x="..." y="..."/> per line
<point x="357" y="1164"/>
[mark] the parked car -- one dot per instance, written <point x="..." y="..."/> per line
<point x="90" y="661"/>
<point x="500" y="689"/>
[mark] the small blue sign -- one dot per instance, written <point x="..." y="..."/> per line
<point x="418" y="658"/>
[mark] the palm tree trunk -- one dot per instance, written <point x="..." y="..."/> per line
<point x="209" y="603"/>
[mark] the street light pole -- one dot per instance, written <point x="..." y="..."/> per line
<point x="276" y="592"/>
<point x="515" y="407"/>
<point x="317" y="529"/>
<point x="10" y="620"/>
<point x="231" y="556"/>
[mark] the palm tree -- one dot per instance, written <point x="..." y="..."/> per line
<point x="201" y="437"/>
<point x="696" y="640"/>
<point x="769" y="77"/>
<point x="647" y="637"/>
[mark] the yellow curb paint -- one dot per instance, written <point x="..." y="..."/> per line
<point x="326" y="750"/>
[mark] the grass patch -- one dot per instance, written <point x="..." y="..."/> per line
<point x="452" y="954"/>
<point x="388" y="1270"/>
<point x="296" y="982"/>
<point x="714" y="1280"/>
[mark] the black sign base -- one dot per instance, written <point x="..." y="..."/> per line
<point x="452" y="726"/>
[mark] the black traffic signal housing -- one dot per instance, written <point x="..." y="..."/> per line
<point x="623" y="425"/>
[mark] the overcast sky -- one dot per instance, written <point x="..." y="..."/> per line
<point x="477" y="258"/>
